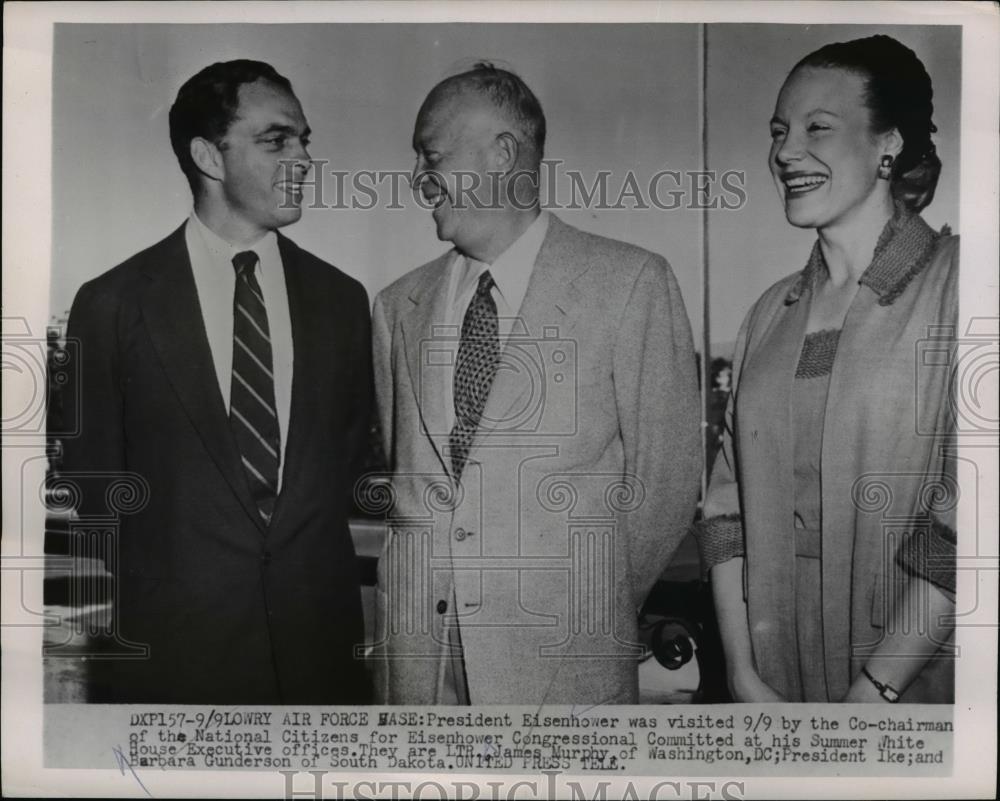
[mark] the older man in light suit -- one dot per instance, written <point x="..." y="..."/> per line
<point x="537" y="393"/>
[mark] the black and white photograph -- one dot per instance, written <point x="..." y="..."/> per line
<point x="556" y="398"/>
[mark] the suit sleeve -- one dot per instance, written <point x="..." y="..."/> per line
<point x="382" y="361"/>
<point x="659" y="413"/>
<point x="930" y="552"/>
<point x="93" y="397"/>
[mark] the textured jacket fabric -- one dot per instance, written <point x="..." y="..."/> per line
<point x="230" y="611"/>
<point x="887" y="465"/>
<point x="581" y="481"/>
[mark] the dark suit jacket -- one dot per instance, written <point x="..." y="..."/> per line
<point x="233" y="612"/>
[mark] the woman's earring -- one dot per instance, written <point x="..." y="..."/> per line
<point x="885" y="167"/>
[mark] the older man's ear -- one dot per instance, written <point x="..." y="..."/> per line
<point x="506" y="151"/>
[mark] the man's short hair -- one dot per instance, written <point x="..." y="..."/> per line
<point x="509" y="95"/>
<point x="206" y="105"/>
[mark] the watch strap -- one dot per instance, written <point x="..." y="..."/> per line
<point x="887" y="691"/>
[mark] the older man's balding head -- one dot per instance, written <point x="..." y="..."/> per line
<point x="499" y="93"/>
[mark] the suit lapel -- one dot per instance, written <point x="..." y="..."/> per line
<point x="544" y="314"/>
<point x="548" y="300"/>
<point x="174" y="320"/>
<point x="423" y="323"/>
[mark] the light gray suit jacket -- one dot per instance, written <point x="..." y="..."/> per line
<point x="580" y="484"/>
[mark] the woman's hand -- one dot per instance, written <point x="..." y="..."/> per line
<point x="747" y="687"/>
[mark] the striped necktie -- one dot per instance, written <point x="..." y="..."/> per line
<point x="252" y="411"/>
<point x="475" y="368"/>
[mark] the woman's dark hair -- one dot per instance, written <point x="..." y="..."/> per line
<point x="207" y="102"/>
<point x="898" y="94"/>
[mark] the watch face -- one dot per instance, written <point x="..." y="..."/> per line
<point x="890" y="694"/>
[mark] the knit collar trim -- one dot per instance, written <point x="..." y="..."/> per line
<point x="903" y="250"/>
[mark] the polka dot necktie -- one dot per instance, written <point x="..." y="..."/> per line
<point x="478" y="359"/>
<point x="252" y="411"/>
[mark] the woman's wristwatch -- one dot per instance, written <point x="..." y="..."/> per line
<point x="887" y="691"/>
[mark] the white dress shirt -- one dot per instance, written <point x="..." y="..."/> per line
<point x="511" y="273"/>
<point x="215" y="279"/>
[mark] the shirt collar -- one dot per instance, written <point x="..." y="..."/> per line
<point x="512" y="269"/>
<point x="221" y="251"/>
<point x="904" y="248"/>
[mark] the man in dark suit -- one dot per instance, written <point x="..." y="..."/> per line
<point x="230" y="371"/>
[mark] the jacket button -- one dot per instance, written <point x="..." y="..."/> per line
<point x="266" y="557"/>
<point x="459" y="534"/>
<point x="442" y="607"/>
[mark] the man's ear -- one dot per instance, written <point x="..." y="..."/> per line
<point x="506" y="150"/>
<point x="207" y="158"/>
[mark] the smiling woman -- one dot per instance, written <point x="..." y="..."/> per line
<point x="811" y="586"/>
<point x="822" y="149"/>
